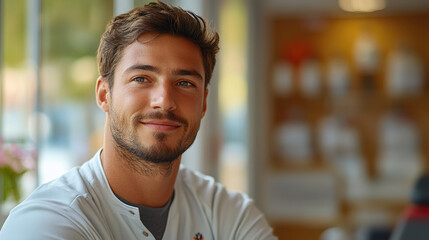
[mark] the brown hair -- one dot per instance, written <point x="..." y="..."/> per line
<point x="155" y="17"/>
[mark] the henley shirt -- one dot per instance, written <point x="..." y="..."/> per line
<point x="81" y="205"/>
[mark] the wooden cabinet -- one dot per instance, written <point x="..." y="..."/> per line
<point x="368" y="100"/>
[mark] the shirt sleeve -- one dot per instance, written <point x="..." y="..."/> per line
<point x="45" y="221"/>
<point x="254" y="225"/>
<point x="239" y="218"/>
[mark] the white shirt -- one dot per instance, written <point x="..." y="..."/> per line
<point x="81" y="205"/>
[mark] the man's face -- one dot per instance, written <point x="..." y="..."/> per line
<point x="158" y="97"/>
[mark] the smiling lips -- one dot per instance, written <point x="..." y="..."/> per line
<point x="161" y="125"/>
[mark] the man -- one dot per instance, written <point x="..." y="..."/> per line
<point x="155" y="64"/>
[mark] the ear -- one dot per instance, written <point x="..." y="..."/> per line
<point x="205" y="103"/>
<point x="102" y="93"/>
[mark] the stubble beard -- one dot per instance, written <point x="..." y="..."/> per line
<point x="154" y="159"/>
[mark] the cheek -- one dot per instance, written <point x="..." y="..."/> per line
<point x="193" y="107"/>
<point x="131" y="101"/>
<point x="127" y="106"/>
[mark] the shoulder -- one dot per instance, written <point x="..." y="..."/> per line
<point x="63" y="191"/>
<point x="232" y="214"/>
<point x="206" y="190"/>
<point x="56" y="207"/>
<point x="42" y="220"/>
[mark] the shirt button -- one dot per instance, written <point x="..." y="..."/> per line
<point x="146" y="234"/>
<point x="132" y="213"/>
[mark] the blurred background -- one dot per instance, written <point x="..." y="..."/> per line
<point x="318" y="108"/>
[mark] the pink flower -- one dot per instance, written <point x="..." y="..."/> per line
<point x="17" y="158"/>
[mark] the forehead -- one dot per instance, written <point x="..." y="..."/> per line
<point x="164" y="51"/>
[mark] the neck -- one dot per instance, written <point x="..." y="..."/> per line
<point x="143" y="183"/>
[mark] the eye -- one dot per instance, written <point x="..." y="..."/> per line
<point x="141" y="79"/>
<point x="185" y="84"/>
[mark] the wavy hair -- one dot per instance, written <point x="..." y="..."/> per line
<point x="155" y="17"/>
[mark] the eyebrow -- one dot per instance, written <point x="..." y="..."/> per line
<point x="177" y="72"/>
<point x="183" y="72"/>
<point x="143" y="67"/>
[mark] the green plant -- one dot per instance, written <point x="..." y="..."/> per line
<point x="14" y="162"/>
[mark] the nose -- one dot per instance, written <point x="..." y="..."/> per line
<point x="162" y="97"/>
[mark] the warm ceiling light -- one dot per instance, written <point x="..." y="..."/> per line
<point x="362" y="5"/>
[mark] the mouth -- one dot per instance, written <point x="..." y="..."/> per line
<point x="161" y="125"/>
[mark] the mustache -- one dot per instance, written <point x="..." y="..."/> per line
<point x="161" y="115"/>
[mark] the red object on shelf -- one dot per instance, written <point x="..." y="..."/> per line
<point x="417" y="213"/>
<point x="297" y="51"/>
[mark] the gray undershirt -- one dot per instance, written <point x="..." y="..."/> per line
<point x="154" y="219"/>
